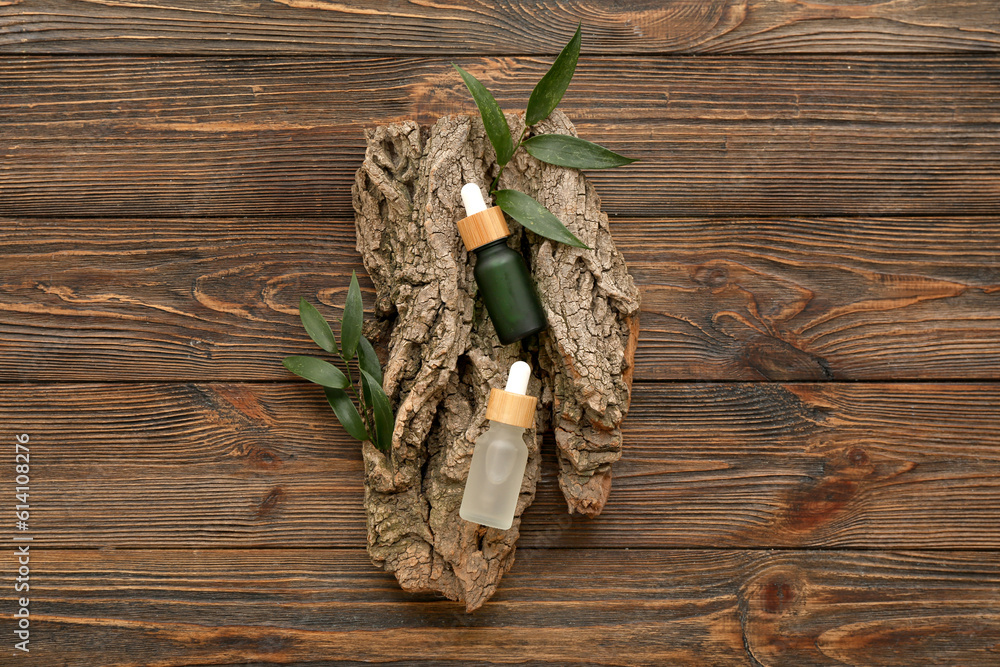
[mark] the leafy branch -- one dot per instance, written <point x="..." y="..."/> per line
<point x="558" y="149"/>
<point x="374" y="420"/>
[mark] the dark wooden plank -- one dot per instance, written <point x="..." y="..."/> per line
<point x="715" y="136"/>
<point x="816" y="299"/>
<point x="745" y="299"/>
<point x="512" y="28"/>
<point x="568" y="607"/>
<point x="705" y="465"/>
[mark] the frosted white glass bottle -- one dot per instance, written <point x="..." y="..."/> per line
<point x="500" y="455"/>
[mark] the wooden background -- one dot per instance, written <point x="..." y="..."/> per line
<point x="812" y="466"/>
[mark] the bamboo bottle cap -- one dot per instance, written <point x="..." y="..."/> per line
<point x="480" y="228"/>
<point x="510" y="408"/>
<point x="481" y="225"/>
<point x="511" y="405"/>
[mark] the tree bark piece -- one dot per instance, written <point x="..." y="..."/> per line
<point x="444" y="356"/>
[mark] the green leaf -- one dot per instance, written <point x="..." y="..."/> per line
<point x="366" y="392"/>
<point x="493" y="119"/>
<point x="384" y="421"/>
<point x="317" y="327"/>
<point x="553" y="85"/>
<point x="316" y="370"/>
<point x="350" y="327"/>
<point x="368" y="360"/>
<point x="535" y="217"/>
<point x="566" y="151"/>
<point x="348" y="415"/>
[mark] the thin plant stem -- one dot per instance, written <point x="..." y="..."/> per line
<point x="361" y="399"/>
<point x="496" y="179"/>
<point x="358" y="399"/>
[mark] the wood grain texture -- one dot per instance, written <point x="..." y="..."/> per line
<point x="167" y="212"/>
<point x="648" y="607"/>
<point x="738" y="299"/>
<point x="704" y="465"/>
<point x="268" y="137"/>
<point x="513" y="27"/>
<point x="814" y="299"/>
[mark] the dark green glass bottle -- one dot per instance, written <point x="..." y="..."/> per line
<point x="506" y="287"/>
<point x="508" y="292"/>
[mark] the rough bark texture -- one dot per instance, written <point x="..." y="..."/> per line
<point x="443" y="354"/>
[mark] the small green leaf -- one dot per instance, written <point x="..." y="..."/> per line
<point x="368" y="360"/>
<point x="493" y="119"/>
<point x="317" y="327"/>
<point x="553" y="85"/>
<point x="566" y="151"/>
<point x="535" y="217"/>
<point x="350" y="327"/>
<point x="316" y="370"/>
<point x="348" y="415"/>
<point x="366" y="392"/>
<point x="384" y="420"/>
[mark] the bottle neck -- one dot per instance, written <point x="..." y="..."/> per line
<point x="495" y="423"/>
<point x="492" y="246"/>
